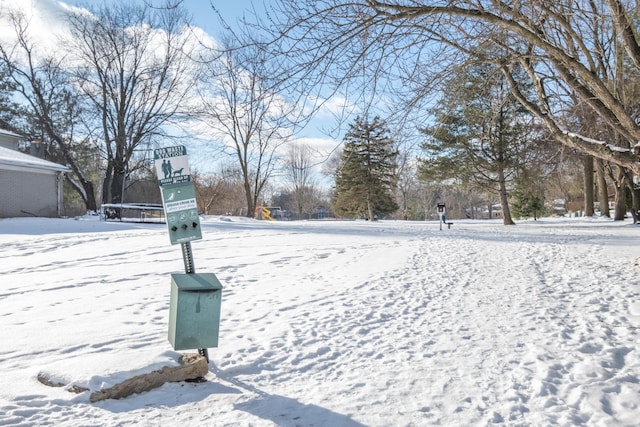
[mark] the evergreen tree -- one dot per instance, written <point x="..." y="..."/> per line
<point x="12" y="115"/>
<point x="366" y="178"/>
<point x="527" y="202"/>
<point x="480" y="133"/>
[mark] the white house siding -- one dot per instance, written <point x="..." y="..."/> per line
<point x="29" y="193"/>
<point x="29" y="186"/>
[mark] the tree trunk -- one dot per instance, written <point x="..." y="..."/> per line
<point x="504" y="201"/>
<point x="587" y="163"/>
<point x="106" y="184"/>
<point x="251" y="204"/>
<point x="191" y="367"/>
<point x="635" y="196"/>
<point x="635" y="203"/>
<point x="90" y="200"/>
<point x="603" y="191"/>
<point x="620" y="203"/>
<point x="85" y="189"/>
<point x="116" y="186"/>
<point x="118" y="175"/>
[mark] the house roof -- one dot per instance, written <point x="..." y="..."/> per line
<point x="16" y="158"/>
<point x="12" y="134"/>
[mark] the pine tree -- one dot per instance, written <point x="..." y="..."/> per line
<point x="366" y="177"/>
<point x="480" y="133"/>
<point x="527" y="202"/>
<point x="12" y="115"/>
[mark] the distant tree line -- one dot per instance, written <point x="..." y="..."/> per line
<point x="488" y="106"/>
<point x="572" y="67"/>
<point x="128" y="78"/>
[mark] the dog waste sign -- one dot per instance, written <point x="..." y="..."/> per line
<point x="172" y="165"/>
<point x="178" y="194"/>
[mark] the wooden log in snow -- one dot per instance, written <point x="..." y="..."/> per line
<point x="192" y="367"/>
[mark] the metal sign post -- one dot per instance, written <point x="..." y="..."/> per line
<point x="441" y="213"/>
<point x="187" y="326"/>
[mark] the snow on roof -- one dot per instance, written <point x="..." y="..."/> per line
<point x="8" y="133"/>
<point x="16" y="158"/>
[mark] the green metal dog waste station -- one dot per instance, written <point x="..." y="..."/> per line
<point x="194" y="310"/>
<point x="194" y="313"/>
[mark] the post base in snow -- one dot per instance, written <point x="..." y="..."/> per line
<point x="192" y="367"/>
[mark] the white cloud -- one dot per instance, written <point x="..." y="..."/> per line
<point x="47" y="28"/>
<point x="44" y="17"/>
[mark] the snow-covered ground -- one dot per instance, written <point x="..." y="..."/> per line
<point x="328" y="323"/>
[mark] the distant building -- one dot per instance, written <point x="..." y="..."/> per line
<point x="559" y="207"/>
<point x="493" y="211"/>
<point x="29" y="186"/>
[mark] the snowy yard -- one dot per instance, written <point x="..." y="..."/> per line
<point x="328" y="323"/>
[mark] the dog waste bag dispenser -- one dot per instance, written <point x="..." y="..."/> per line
<point x="194" y="312"/>
<point x="181" y="212"/>
<point x="178" y="194"/>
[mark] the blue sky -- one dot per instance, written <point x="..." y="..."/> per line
<point x="201" y="10"/>
<point x="315" y="134"/>
<point x="203" y="15"/>
<point x="231" y="11"/>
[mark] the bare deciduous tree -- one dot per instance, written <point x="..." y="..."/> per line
<point x="567" y="47"/>
<point x="134" y="70"/>
<point x="243" y="111"/>
<point x="42" y="82"/>
<point x="298" y="169"/>
<point x="209" y="188"/>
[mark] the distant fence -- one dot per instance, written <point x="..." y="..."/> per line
<point x="132" y="212"/>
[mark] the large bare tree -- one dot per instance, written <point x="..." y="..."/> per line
<point x="134" y="69"/>
<point x="40" y="80"/>
<point x="299" y="173"/>
<point x="244" y="112"/>
<point x="567" y="47"/>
